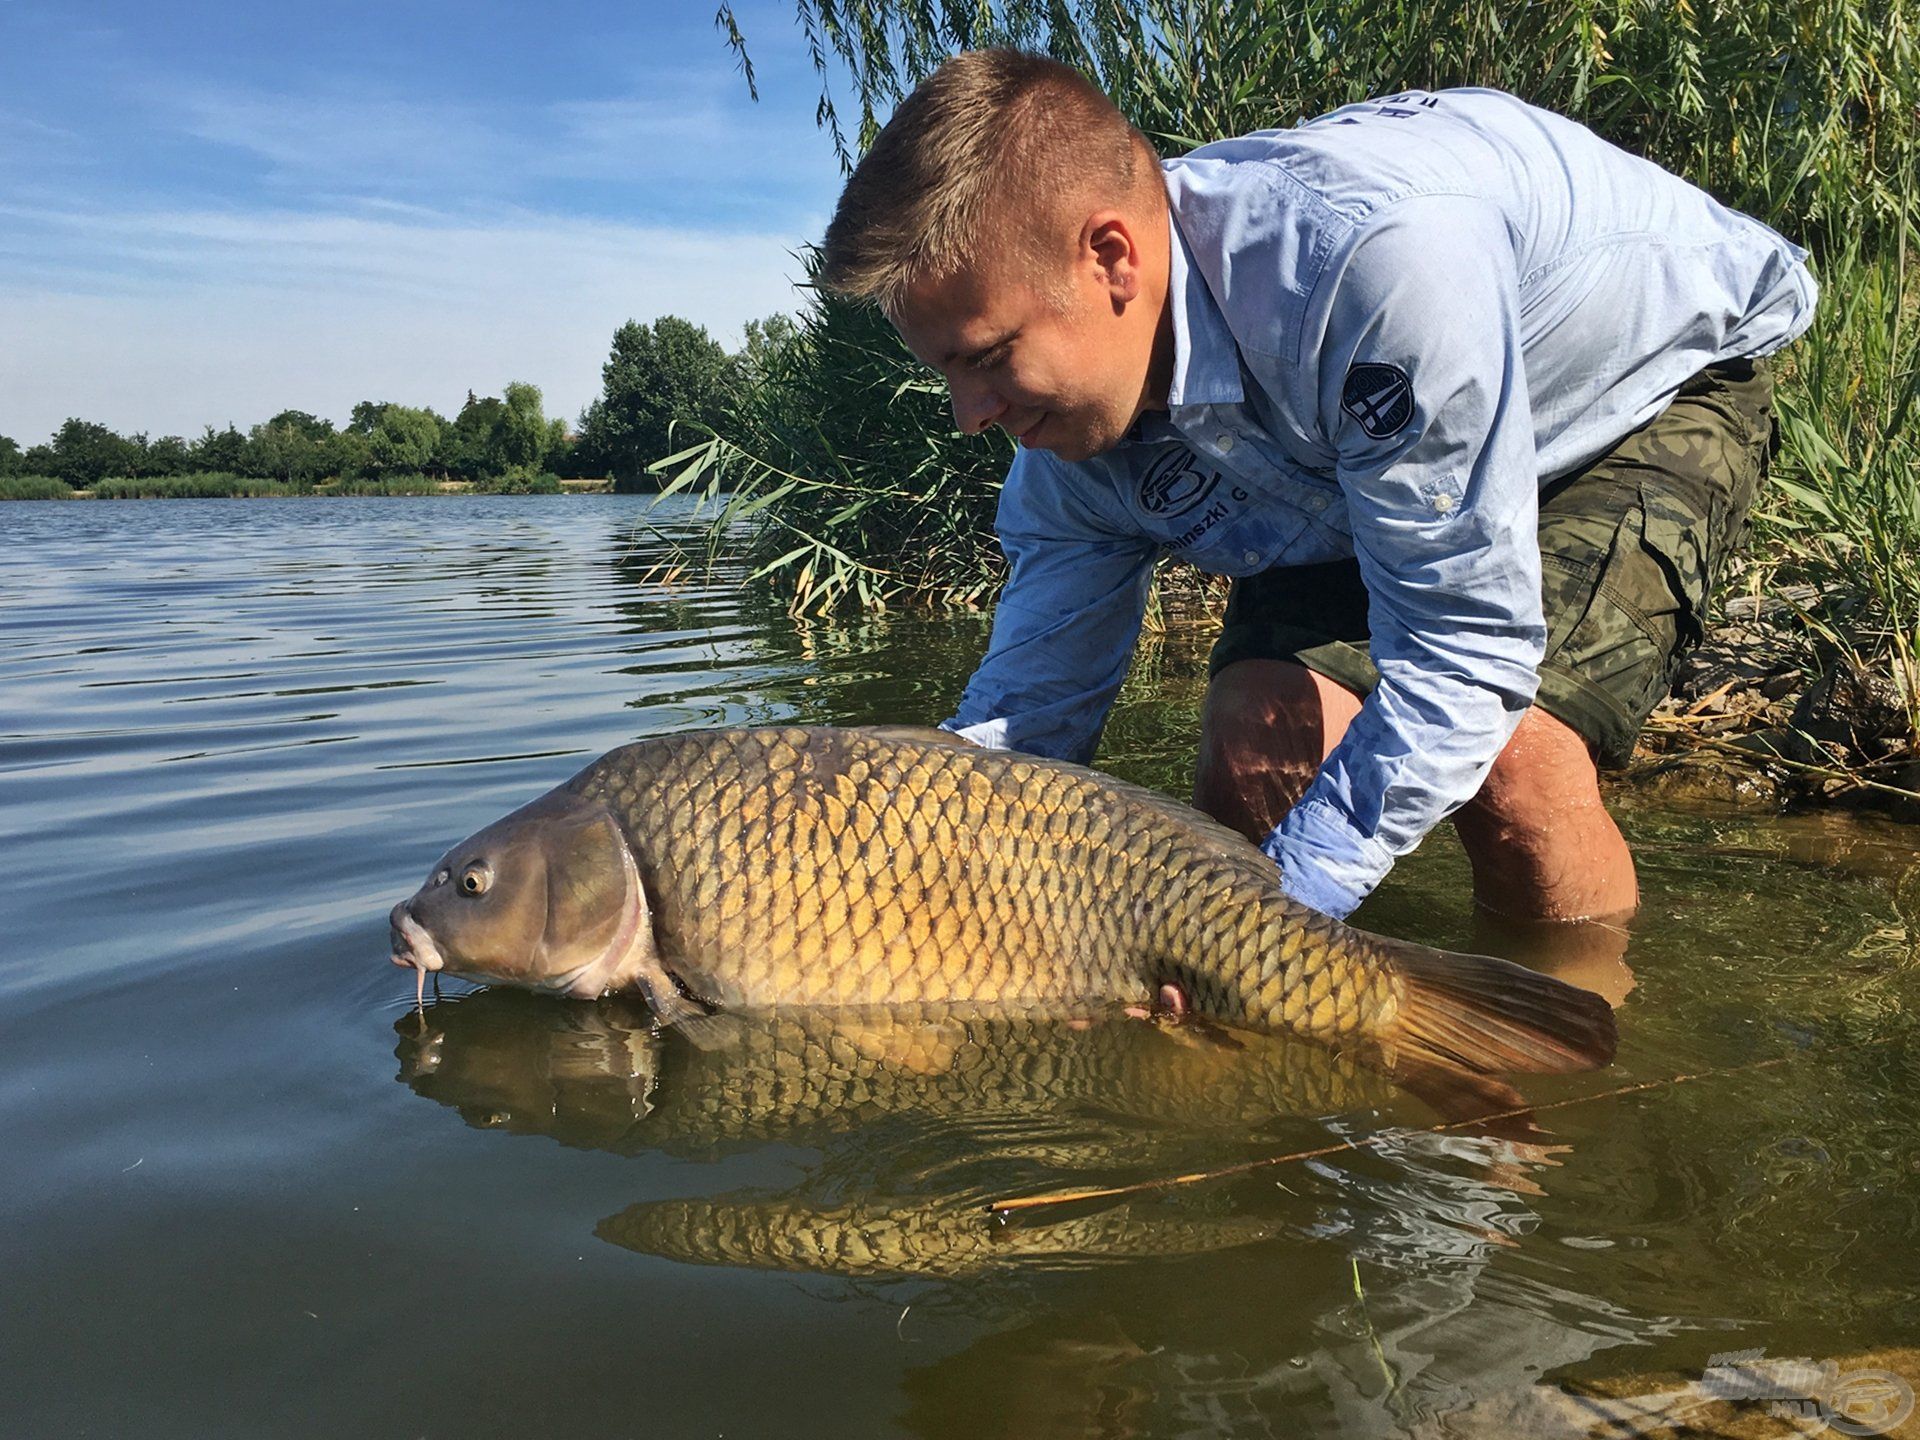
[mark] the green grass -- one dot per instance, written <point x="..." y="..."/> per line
<point x="1844" y="517"/>
<point x="840" y="472"/>
<point x="211" y="485"/>
<point x="521" y="481"/>
<point x="518" y="480"/>
<point x="33" y="487"/>
<point x="409" y="484"/>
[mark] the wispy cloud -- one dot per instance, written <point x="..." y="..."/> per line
<point x="374" y="140"/>
<point x="682" y="146"/>
<point x="169" y="320"/>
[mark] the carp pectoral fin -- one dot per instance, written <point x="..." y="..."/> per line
<point x="706" y="1029"/>
<point x="640" y="967"/>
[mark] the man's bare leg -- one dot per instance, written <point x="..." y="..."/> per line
<point x="1265" y="728"/>
<point x="1542" y="845"/>
<point x="1541" y="841"/>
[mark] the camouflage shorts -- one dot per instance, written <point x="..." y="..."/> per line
<point x="1629" y="546"/>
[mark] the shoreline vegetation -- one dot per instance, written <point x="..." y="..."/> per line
<point x="207" y="485"/>
<point x="656" y="376"/>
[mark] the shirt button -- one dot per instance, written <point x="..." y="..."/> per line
<point x="1253" y="557"/>
<point x="1443" y="503"/>
<point x="1225" y="441"/>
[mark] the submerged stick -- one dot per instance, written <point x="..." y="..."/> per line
<point x="1003" y="1209"/>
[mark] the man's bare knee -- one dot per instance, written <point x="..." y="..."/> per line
<point x="1265" y="728"/>
<point x="1543" y="774"/>
<point x="1538" y="834"/>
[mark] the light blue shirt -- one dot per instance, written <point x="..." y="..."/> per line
<point x="1391" y="326"/>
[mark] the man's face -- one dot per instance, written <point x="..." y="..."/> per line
<point x="1059" y="367"/>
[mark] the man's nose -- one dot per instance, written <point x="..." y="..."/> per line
<point x="975" y="407"/>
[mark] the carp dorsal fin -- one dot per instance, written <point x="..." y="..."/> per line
<point x="924" y="734"/>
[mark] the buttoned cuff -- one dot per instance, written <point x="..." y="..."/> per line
<point x="1324" y="862"/>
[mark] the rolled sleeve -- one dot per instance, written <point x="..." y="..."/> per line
<point x="1066" y="622"/>
<point x="1443" y="502"/>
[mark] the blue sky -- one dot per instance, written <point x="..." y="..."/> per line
<point x="213" y="211"/>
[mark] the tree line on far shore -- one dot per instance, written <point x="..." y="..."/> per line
<point x="657" y="376"/>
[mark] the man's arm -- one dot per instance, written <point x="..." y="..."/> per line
<point x="1066" y="621"/>
<point x="1423" y="391"/>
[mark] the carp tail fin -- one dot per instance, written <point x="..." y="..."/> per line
<point x="1490" y="1015"/>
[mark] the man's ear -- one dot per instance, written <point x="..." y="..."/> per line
<point x="1107" y="238"/>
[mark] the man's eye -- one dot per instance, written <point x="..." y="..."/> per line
<point x="987" y="359"/>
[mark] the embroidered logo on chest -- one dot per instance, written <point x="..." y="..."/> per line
<point x="1175" y="484"/>
<point x="1380" y="397"/>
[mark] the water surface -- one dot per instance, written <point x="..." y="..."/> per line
<point x="251" y="1192"/>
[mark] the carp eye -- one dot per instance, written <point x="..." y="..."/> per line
<point x="476" y="881"/>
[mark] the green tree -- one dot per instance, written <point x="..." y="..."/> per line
<point x="83" y="452"/>
<point x="9" y="456"/>
<point x="310" y="426"/>
<point x="222" y="451"/>
<point x="169" y="455"/>
<point x="366" y="415"/>
<point x="405" y="438"/>
<point x="520" y="435"/>
<point x="349" y="452"/>
<point x="849" y="446"/>
<point x="37" y="461"/>
<point x="762" y="346"/>
<point x="469" y="448"/>
<point x="1806" y="115"/>
<point x="658" y="376"/>
<point x="292" y="447"/>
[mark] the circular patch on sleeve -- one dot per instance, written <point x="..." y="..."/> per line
<point x="1380" y="397"/>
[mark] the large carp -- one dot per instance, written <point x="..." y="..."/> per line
<point x="730" y="869"/>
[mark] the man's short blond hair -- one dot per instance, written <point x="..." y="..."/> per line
<point x="982" y="158"/>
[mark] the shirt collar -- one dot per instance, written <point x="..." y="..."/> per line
<point x="1206" y="362"/>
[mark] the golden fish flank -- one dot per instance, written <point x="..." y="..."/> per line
<point x="731" y="869"/>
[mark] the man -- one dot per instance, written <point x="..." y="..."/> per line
<point x="1469" y="402"/>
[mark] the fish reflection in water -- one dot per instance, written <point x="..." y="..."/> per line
<point x="604" y="1076"/>
<point x="941" y="1239"/>
<point x="921" y="1114"/>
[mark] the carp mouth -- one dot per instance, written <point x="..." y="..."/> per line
<point x="414" y="947"/>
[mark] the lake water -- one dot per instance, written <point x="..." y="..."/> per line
<point x="249" y="1191"/>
